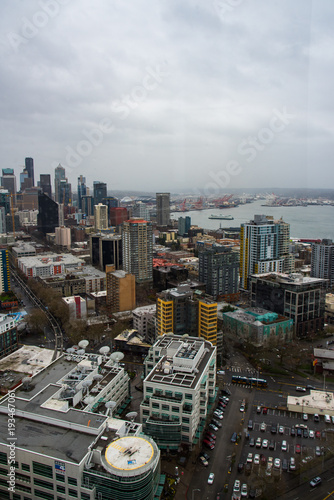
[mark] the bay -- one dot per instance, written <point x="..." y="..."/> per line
<point x="313" y="221"/>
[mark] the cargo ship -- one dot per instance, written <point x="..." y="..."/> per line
<point x="221" y="217"/>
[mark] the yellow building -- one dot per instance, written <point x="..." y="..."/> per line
<point x="207" y="320"/>
<point x="165" y="316"/>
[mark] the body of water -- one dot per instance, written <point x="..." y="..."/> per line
<point x="314" y="222"/>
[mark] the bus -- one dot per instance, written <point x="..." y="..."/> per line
<point x="253" y="381"/>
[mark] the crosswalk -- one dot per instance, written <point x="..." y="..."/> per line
<point x="237" y="369"/>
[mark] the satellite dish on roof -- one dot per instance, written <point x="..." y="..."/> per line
<point x="80" y="352"/>
<point x="110" y="405"/>
<point x="132" y="415"/>
<point x="83" y="344"/>
<point x="104" y="350"/>
<point x="70" y="350"/>
<point x="87" y="383"/>
<point x="98" y="377"/>
<point x="117" y="356"/>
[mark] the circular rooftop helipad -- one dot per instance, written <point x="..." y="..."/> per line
<point x="129" y="453"/>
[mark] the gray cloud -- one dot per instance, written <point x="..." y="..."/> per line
<point x="222" y="75"/>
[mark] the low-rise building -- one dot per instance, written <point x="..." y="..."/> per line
<point x="317" y="402"/>
<point x="258" y="326"/>
<point x="48" y="264"/>
<point x="77" y="307"/>
<point x="142" y="316"/>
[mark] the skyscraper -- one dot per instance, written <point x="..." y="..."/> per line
<point x="322" y="261"/>
<point x="45" y="184"/>
<point x="87" y="205"/>
<point x="59" y="176"/>
<point x="101" y="217"/>
<point x="48" y="217"/>
<point x="8" y="181"/>
<point x="137" y="245"/>
<point x="163" y="210"/>
<point x="29" y="166"/>
<point x="183" y="225"/>
<point x="100" y="191"/>
<point x="264" y="247"/>
<point x="82" y="190"/>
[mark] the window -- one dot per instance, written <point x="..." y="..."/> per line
<point x="149" y="389"/>
<point x="25" y="467"/>
<point x="188" y="396"/>
<point x="175" y="409"/>
<point x="61" y="489"/>
<point x="42" y="469"/>
<point x="43" y="484"/>
<point x="60" y="478"/>
<point x="3" y="458"/>
<point x="73" y="493"/>
<point x="72" y="480"/>
<point x="44" y="495"/>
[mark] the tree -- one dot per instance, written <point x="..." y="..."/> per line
<point x="37" y="321"/>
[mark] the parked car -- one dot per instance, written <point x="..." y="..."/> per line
<point x="293" y="432"/>
<point x="299" y="432"/>
<point x="316" y="417"/>
<point x="318" y="434"/>
<point x="300" y="389"/>
<point x="272" y="445"/>
<point x="256" y="459"/>
<point x="252" y="442"/>
<point x="248" y="469"/>
<point x="250" y="425"/>
<point x="234" y="437"/>
<point x="258" y="442"/>
<point x="208" y="444"/>
<point x="305" y="433"/>
<point x="265" y="443"/>
<point x="311" y="433"/>
<point x="277" y="463"/>
<point x="258" y="409"/>
<point x="218" y="414"/>
<point x="213" y="427"/>
<point x="315" y="481"/>
<point x="273" y="429"/>
<point x="205" y="455"/>
<point x="264" y="411"/>
<point x="209" y="438"/>
<point x="292" y="464"/>
<point x="236" y="486"/>
<point x="211" y="478"/>
<point x="244" y="490"/>
<point x="297" y="448"/>
<point x="241" y="466"/>
<point x="327" y="419"/>
<point x="332" y="418"/>
<point x="250" y="458"/>
<point x="203" y="461"/>
<point x="242" y="407"/>
<point x="209" y="433"/>
<point x="284" y="464"/>
<point x="216" y="423"/>
<point x="317" y="451"/>
<point x="263" y="427"/>
<point x="281" y="429"/>
<point x="284" y="446"/>
<point x="305" y="416"/>
<point x="263" y="459"/>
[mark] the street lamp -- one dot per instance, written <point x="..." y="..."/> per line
<point x="192" y="495"/>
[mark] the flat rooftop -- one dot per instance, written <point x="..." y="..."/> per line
<point x="321" y="402"/>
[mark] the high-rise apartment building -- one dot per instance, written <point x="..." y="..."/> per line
<point x="180" y="312"/>
<point x="141" y="210"/>
<point x="264" y="247"/>
<point x="100" y="191"/>
<point x="137" y="245"/>
<point x="101" y="217"/>
<point x="4" y="271"/>
<point x="29" y="166"/>
<point x="45" y="184"/>
<point x="219" y="270"/>
<point x="121" y="291"/>
<point x="163" y="208"/>
<point x="322" y="261"/>
<point x="183" y="225"/>
<point x="82" y="190"/>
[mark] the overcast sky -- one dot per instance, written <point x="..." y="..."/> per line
<point x="177" y="95"/>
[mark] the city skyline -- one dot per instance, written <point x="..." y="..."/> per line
<point x="219" y="95"/>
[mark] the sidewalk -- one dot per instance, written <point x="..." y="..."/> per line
<point x="185" y="474"/>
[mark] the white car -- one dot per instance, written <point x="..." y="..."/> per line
<point x="256" y="459"/>
<point x="250" y="458"/>
<point x="305" y="416"/>
<point x="311" y="434"/>
<point x="281" y="429"/>
<point x="218" y="415"/>
<point x="220" y="372"/>
<point x="244" y="490"/>
<point x="277" y="463"/>
<point x="327" y="419"/>
<point x="236" y="487"/>
<point x="284" y="446"/>
<point x="211" y="478"/>
<point x="265" y="443"/>
<point x="242" y="408"/>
